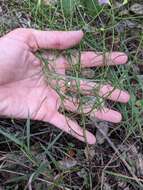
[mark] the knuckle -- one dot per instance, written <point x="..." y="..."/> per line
<point x="58" y="43"/>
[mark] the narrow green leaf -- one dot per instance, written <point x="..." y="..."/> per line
<point x="125" y="2"/>
<point x="41" y="169"/>
<point x="68" y="7"/>
<point x="28" y="133"/>
<point x="92" y="7"/>
<point x="11" y="137"/>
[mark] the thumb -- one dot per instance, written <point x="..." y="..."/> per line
<point x="57" y="39"/>
<point x="47" y="39"/>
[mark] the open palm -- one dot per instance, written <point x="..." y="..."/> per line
<point x="25" y="93"/>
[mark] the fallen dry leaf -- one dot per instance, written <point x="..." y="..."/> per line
<point x="103" y="126"/>
<point x="89" y="152"/>
<point x="137" y="8"/>
<point x="67" y="163"/>
<point x="88" y="73"/>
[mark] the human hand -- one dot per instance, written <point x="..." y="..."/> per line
<point x="25" y="93"/>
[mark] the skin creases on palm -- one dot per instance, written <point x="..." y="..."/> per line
<point x="28" y="95"/>
<point x="24" y="91"/>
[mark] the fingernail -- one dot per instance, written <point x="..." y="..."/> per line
<point x="119" y="57"/>
<point x="126" y="97"/>
<point x="90" y="138"/>
<point x="117" y="118"/>
<point x="81" y="32"/>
